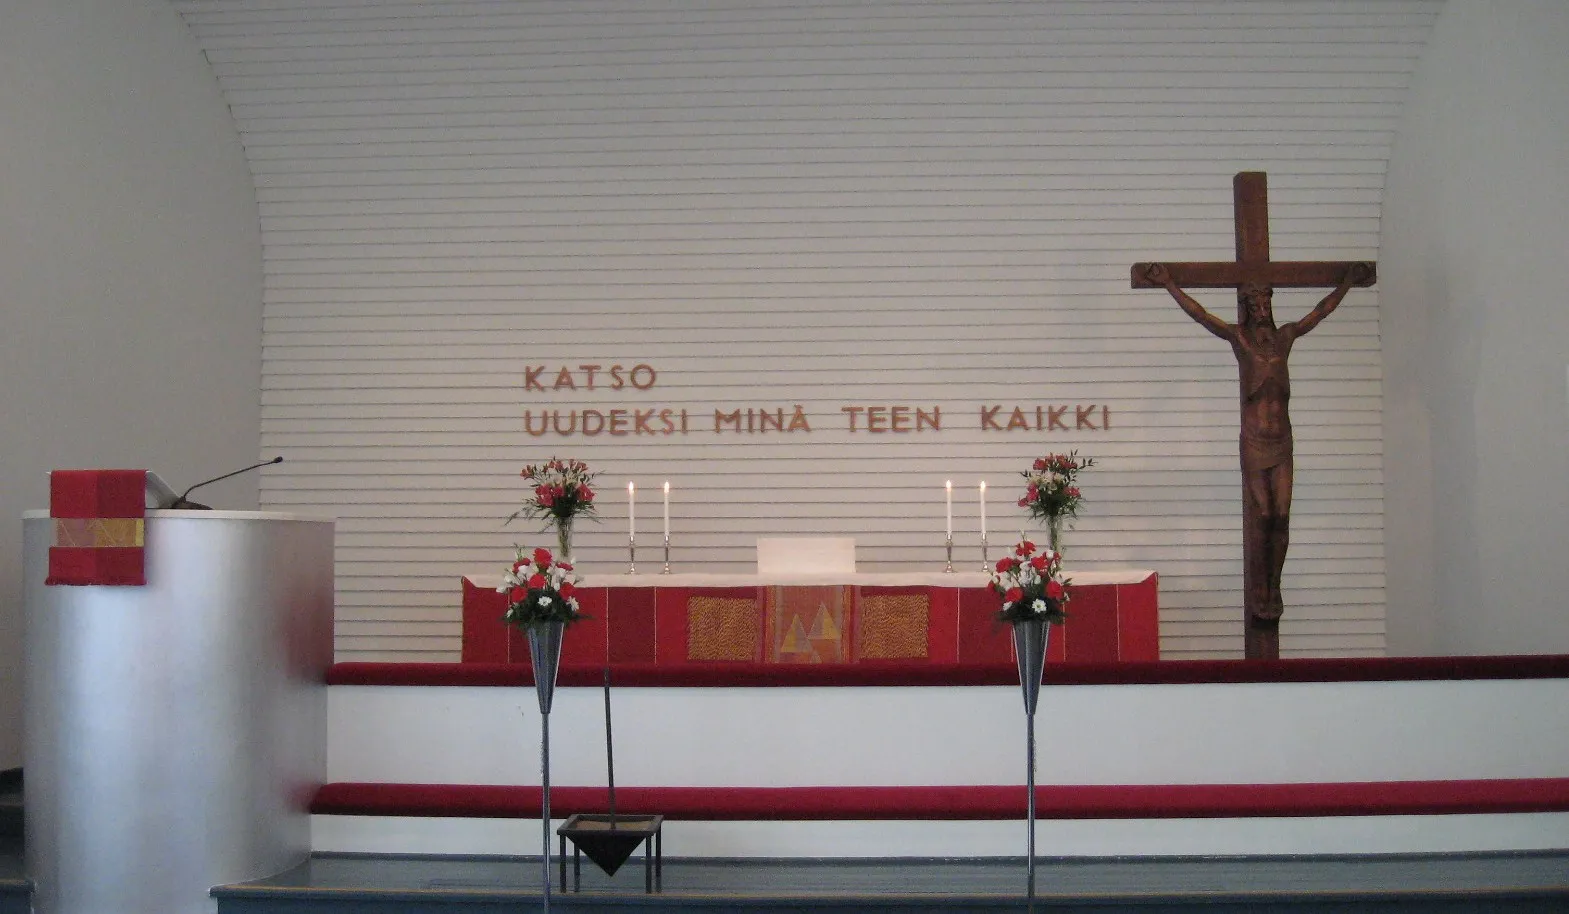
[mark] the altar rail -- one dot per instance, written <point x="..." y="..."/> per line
<point x="988" y="802"/>
<point x="1165" y="672"/>
<point x="735" y="627"/>
<point x="1196" y="757"/>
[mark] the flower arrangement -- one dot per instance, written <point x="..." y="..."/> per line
<point x="1031" y="585"/>
<point x="561" y="493"/>
<point x="561" y="490"/>
<point x="1051" y="492"/>
<point x="539" y="589"/>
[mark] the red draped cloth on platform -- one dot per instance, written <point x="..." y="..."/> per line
<point x="766" y="628"/>
<point x="99" y="527"/>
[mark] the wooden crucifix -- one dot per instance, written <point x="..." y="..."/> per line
<point x="1262" y="350"/>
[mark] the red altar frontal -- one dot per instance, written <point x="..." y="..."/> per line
<point x="686" y="620"/>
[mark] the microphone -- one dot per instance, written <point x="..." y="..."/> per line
<point x="185" y="504"/>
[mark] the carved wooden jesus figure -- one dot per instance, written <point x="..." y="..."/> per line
<point x="1262" y="349"/>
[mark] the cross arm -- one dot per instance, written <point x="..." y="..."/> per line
<point x="1287" y="274"/>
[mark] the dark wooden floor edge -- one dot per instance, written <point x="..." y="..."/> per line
<point x="271" y="890"/>
<point x="1041" y="859"/>
<point x="671" y="898"/>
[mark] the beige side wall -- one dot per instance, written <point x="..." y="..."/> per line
<point x="131" y="265"/>
<point x="1475" y="331"/>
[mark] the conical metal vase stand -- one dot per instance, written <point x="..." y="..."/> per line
<point x="1029" y="648"/>
<point x="544" y="649"/>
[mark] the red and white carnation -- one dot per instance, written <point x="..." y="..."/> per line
<point x="561" y="490"/>
<point x="1050" y="490"/>
<point x="539" y="588"/>
<point x="1031" y="584"/>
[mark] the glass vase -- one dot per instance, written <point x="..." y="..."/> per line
<point x="1054" y="529"/>
<point x="563" y="525"/>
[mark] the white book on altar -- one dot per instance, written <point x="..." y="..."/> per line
<point x="805" y="555"/>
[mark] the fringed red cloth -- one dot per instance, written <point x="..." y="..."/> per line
<point x="99" y="527"/>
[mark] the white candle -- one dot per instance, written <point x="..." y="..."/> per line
<point x="667" y="509"/>
<point x="983" y="509"/>
<point x="631" y="511"/>
<point x="948" y="487"/>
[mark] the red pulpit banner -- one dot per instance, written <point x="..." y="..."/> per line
<point x="99" y="526"/>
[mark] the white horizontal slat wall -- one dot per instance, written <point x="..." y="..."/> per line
<point x="823" y="203"/>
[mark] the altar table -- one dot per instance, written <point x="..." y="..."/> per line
<point x="687" y="620"/>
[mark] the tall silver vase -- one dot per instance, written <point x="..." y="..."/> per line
<point x="1029" y="650"/>
<point x="544" y="650"/>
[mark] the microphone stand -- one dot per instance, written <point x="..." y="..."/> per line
<point x="185" y="504"/>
